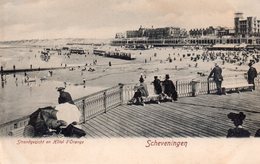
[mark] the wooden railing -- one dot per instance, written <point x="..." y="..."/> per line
<point x="6" y="128"/>
<point x="101" y="102"/>
<point x="257" y="82"/>
<point x="184" y="88"/>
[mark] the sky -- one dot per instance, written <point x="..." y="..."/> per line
<point x="102" y="19"/>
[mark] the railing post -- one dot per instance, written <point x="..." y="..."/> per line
<point x="105" y="102"/>
<point x="121" y="93"/>
<point x="84" y="110"/>
<point x="176" y="85"/>
<point x="208" y="85"/>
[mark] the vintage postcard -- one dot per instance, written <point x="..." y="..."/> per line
<point x="129" y="81"/>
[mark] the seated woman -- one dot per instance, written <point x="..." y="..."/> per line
<point x="49" y="121"/>
<point x="157" y="85"/>
<point x="140" y="91"/>
<point x="72" y="116"/>
<point x="42" y="121"/>
<point x="238" y="131"/>
<point x="169" y="89"/>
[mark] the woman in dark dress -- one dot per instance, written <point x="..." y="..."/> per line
<point x="169" y="88"/>
<point x="238" y="131"/>
<point x="157" y="85"/>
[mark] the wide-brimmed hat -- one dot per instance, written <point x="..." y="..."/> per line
<point x="234" y="116"/>
<point x="167" y="76"/>
<point x="60" y="88"/>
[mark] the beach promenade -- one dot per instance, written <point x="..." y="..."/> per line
<point x="201" y="116"/>
<point x="105" y="113"/>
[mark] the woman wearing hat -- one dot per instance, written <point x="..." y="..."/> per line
<point x="141" y="91"/>
<point x="157" y="85"/>
<point x="238" y="131"/>
<point x="169" y="88"/>
<point x="64" y="96"/>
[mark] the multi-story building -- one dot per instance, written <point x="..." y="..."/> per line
<point x="157" y="33"/>
<point x="211" y="31"/>
<point x="249" y="26"/>
<point x="202" y="32"/>
<point x="120" y="35"/>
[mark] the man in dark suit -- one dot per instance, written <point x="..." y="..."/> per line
<point x="64" y="96"/>
<point x="251" y="75"/>
<point x="217" y="77"/>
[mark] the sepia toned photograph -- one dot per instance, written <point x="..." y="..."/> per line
<point x="156" y="74"/>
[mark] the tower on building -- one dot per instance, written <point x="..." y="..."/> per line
<point x="238" y="17"/>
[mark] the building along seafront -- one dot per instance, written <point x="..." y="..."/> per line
<point x="245" y="31"/>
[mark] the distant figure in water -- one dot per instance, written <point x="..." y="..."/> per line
<point x="238" y="131"/>
<point x="84" y="81"/>
<point x="64" y="96"/>
<point x="50" y="73"/>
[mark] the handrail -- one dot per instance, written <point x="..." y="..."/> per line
<point x="102" y="101"/>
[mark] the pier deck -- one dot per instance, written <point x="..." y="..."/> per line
<point x="202" y="116"/>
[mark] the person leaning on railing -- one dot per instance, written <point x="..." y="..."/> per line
<point x="217" y="77"/>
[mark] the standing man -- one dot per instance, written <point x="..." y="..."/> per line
<point x="217" y="77"/>
<point x="251" y="75"/>
<point x="64" y="96"/>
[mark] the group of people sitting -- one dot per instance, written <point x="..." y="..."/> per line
<point x="164" y="91"/>
<point x="63" y="119"/>
<point x="239" y="131"/>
